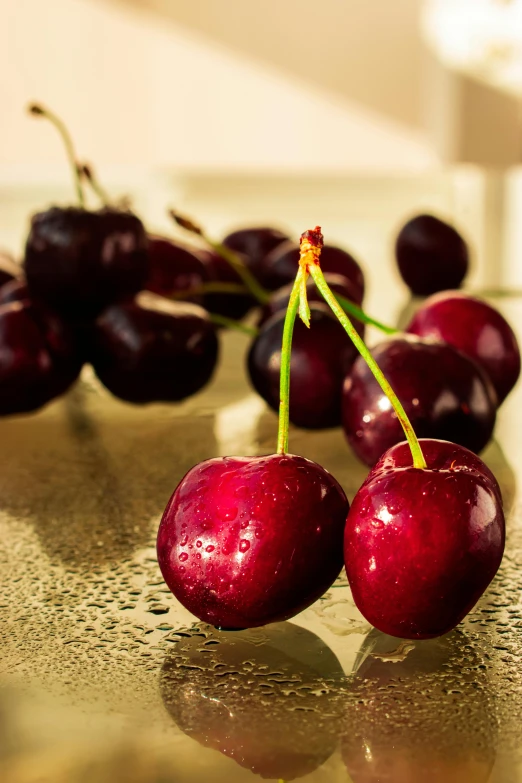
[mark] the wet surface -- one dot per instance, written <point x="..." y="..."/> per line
<point x="104" y="677"/>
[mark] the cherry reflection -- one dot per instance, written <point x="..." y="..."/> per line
<point x="265" y="697"/>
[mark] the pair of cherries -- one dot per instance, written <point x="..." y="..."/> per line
<point x="246" y="541"/>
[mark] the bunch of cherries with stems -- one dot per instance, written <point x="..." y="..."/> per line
<point x="246" y="541"/>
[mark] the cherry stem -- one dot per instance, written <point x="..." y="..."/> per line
<point x="255" y="288"/>
<point x="284" y="373"/>
<point x="230" y="323"/>
<point x="40" y="111"/>
<point x="87" y="172"/>
<point x="360" y="315"/>
<point x="322" y="285"/>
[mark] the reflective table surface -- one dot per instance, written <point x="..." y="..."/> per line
<point x="105" y="677"/>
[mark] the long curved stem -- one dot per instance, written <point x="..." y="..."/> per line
<point x="322" y="285"/>
<point x="284" y="373"/>
<point x="255" y="288"/>
<point x="41" y="111"/>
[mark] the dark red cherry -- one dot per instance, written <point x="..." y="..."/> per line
<point x="280" y="726"/>
<point x="246" y="541"/>
<point x="255" y="243"/>
<point x="431" y="255"/>
<point x="338" y="283"/>
<point x="444" y="393"/>
<point x="280" y="267"/>
<point x="14" y="291"/>
<point x="78" y="261"/>
<point x="234" y="306"/>
<point x="321" y="357"/>
<point x="9" y="269"/>
<point x="174" y="268"/>
<point x="421" y="546"/>
<point x="38" y="357"/>
<point x="475" y="328"/>
<point x="151" y="349"/>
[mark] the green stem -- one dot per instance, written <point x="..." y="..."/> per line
<point x="255" y="288"/>
<point x="322" y="285"/>
<point x="40" y="111"/>
<point x="360" y="315"/>
<point x="230" y="323"/>
<point x="286" y="354"/>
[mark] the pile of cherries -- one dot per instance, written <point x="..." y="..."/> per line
<point x="246" y="541"/>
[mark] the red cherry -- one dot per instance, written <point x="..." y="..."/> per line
<point x="321" y="357"/>
<point x="476" y="329"/>
<point x="421" y="546"/>
<point x="246" y="541"/>
<point x="174" y="268"/>
<point x="444" y="393"/>
<point x="431" y="255"/>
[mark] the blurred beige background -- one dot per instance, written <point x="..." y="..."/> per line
<point x="244" y="85"/>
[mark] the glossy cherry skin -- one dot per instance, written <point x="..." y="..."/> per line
<point x="252" y="716"/>
<point x="421" y="546"/>
<point x="444" y="393"/>
<point x="475" y="328"/>
<point x="234" y="306"/>
<point x="431" y="255"/>
<point x="38" y="357"/>
<point x="79" y="261"/>
<point x="280" y="267"/>
<point x="338" y="283"/>
<point x="174" y="268"/>
<point x="246" y="541"/>
<point x="255" y="243"/>
<point x="321" y="357"/>
<point x="150" y="349"/>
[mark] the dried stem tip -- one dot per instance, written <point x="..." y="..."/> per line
<point x="186" y="223"/>
<point x="35" y="108"/>
<point x="310" y="249"/>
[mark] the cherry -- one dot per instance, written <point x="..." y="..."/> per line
<point x="246" y="541"/>
<point x="38" y="357"/>
<point x="445" y="394"/>
<point x="174" y="268"/>
<point x="279" y="726"/>
<point x="338" y="283"/>
<point x="231" y="305"/>
<point x="431" y="255"/>
<point x="422" y="545"/>
<point x="254" y="244"/>
<point x="280" y="265"/>
<point x="476" y="329"/>
<point x="321" y="357"/>
<point x="14" y="291"/>
<point x="150" y="349"/>
<point x="79" y="261"/>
